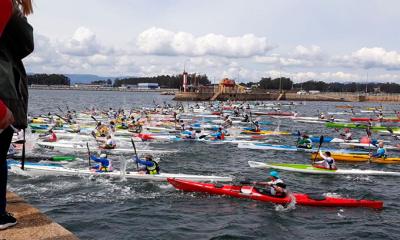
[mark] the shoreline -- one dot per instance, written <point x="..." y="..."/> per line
<point x="252" y="96"/>
<point x="91" y="88"/>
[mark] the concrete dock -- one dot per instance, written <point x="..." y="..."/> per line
<point x="32" y="224"/>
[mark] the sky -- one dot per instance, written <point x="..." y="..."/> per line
<point x="341" y="40"/>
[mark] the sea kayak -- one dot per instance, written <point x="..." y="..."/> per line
<point x="368" y="146"/>
<point x="67" y="147"/>
<point x="266" y="146"/>
<point x="359" y="158"/>
<point x="265" y="132"/>
<point x="359" y="126"/>
<point x="394" y="119"/>
<point x="332" y="140"/>
<point x="58" y="169"/>
<point x="251" y="192"/>
<point x="307" y="168"/>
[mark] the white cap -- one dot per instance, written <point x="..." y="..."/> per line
<point x="103" y="155"/>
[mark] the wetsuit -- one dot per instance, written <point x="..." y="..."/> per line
<point x="105" y="164"/>
<point x="151" y="166"/>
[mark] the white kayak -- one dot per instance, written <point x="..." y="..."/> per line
<point x="287" y="148"/>
<point x="306" y="168"/>
<point x="57" y="169"/>
<point x="55" y="146"/>
<point x="368" y="146"/>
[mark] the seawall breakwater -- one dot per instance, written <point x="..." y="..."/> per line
<point x="326" y="96"/>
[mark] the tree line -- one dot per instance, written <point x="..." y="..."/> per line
<point x="48" y="79"/>
<point x="287" y="84"/>
<point x="164" y="81"/>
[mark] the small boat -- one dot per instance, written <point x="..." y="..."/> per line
<point x="58" y="169"/>
<point x="251" y="192"/>
<point x="310" y="169"/>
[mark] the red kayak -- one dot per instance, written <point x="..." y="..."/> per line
<point x="252" y="193"/>
<point x="375" y="119"/>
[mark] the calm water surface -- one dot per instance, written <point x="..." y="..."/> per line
<point x="111" y="209"/>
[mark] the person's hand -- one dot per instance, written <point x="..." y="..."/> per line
<point x="6" y="116"/>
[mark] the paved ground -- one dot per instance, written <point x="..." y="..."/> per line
<point x="32" y="224"/>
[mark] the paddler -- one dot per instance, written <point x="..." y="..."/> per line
<point x="50" y="137"/>
<point x="192" y="133"/>
<point x="105" y="163"/>
<point x="220" y="135"/>
<point x="151" y="165"/>
<point x="346" y="135"/>
<point x="275" y="187"/>
<point x="305" y="142"/>
<point x="110" y="143"/>
<point x="256" y="126"/>
<point x="111" y="126"/>
<point x="246" y="118"/>
<point x="328" y="162"/>
<point x="322" y="116"/>
<point x="380" y="152"/>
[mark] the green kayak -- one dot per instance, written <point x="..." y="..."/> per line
<point x="62" y="158"/>
<point x="358" y="126"/>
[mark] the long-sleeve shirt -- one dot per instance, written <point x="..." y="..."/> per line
<point x="381" y="152"/>
<point x="103" y="161"/>
<point x="144" y="162"/>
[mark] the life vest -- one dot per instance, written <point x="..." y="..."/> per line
<point x="155" y="169"/>
<point x="382" y="152"/>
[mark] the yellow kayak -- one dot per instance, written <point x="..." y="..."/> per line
<point x="265" y="132"/>
<point x="39" y="120"/>
<point x="359" y="158"/>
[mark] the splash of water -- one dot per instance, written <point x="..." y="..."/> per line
<point x="290" y="206"/>
<point x="123" y="163"/>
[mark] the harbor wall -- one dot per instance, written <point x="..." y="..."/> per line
<point x="289" y="96"/>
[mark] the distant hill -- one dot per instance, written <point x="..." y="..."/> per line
<point x="86" y="78"/>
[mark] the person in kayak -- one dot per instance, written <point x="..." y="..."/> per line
<point x="275" y="187"/>
<point x="50" y="137"/>
<point x="104" y="163"/>
<point x="346" y="135"/>
<point x="220" y="135"/>
<point x="110" y="143"/>
<point x="322" y="116"/>
<point x="305" y="142"/>
<point x="256" y="126"/>
<point x="380" y="152"/>
<point x="189" y="134"/>
<point x="328" y="162"/>
<point x="151" y="166"/>
<point x="246" y="118"/>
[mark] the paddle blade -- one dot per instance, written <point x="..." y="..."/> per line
<point x="321" y="140"/>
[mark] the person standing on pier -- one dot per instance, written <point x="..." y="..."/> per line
<point x="16" y="42"/>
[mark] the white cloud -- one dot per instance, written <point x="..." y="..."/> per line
<point x="371" y="58"/>
<point x="159" y="41"/>
<point x="313" y="52"/>
<point x="83" y="43"/>
<point x="300" y="56"/>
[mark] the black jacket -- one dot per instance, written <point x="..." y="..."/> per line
<point x="16" y="42"/>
